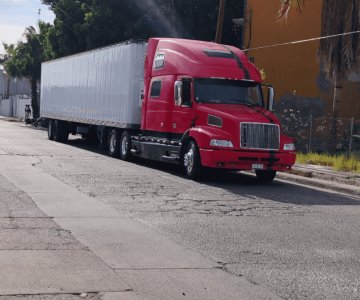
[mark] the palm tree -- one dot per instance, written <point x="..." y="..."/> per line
<point x="24" y="60"/>
<point x="339" y="55"/>
<point x="286" y="5"/>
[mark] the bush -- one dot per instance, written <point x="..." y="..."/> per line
<point x="339" y="162"/>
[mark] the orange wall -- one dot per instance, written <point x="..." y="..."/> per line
<point x="293" y="69"/>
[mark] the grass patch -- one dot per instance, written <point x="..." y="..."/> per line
<point x="338" y="162"/>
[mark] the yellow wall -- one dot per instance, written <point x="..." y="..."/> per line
<point x="293" y="69"/>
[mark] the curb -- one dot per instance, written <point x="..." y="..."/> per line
<point x="319" y="183"/>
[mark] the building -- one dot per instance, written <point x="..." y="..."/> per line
<point x="302" y="87"/>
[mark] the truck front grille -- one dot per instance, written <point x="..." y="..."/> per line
<point x="259" y="136"/>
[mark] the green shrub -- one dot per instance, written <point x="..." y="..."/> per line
<point x="338" y="162"/>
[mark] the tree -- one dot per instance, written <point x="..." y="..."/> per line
<point x="285" y="6"/>
<point x="86" y="24"/>
<point x="24" y="59"/>
<point x="339" y="55"/>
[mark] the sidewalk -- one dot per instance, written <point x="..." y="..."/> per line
<point x="73" y="246"/>
<point x="323" y="177"/>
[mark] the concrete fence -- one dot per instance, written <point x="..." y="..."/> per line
<point x="14" y="106"/>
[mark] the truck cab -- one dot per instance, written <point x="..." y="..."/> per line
<point x="203" y="106"/>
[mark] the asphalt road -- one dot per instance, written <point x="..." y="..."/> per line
<point x="298" y="242"/>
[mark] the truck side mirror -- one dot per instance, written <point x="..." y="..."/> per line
<point x="270" y="99"/>
<point x="269" y="105"/>
<point x="178" y="93"/>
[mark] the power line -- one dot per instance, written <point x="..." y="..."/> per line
<point x="304" y="41"/>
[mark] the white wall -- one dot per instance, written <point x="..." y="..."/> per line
<point x="19" y="106"/>
<point x="6" y="108"/>
<point x="14" y="107"/>
<point x="2" y="84"/>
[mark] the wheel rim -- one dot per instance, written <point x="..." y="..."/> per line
<point x="124" y="145"/>
<point x="189" y="159"/>
<point x="113" y="142"/>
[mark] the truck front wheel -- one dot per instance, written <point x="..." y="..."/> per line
<point x="125" y="146"/>
<point x="265" y="176"/>
<point x="114" y="143"/>
<point x="191" y="161"/>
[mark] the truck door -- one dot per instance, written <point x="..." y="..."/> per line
<point x="182" y="114"/>
<point x="159" y="105"/>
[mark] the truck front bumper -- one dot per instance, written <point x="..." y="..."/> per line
<point x="242" y="160"/>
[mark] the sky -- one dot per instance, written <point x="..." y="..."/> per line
<point x="16" y="15"/>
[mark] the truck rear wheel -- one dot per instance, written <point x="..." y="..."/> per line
<point x="265" y="176"/>
<point x="114" y="143"/>
<point x="51" y="130"/>
<point x="191" y="161"/>
<point x="125" y="146"/>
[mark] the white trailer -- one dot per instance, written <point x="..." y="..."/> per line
<point x="101" y="87"/>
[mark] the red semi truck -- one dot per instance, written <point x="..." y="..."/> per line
<point x="194" y="103"/>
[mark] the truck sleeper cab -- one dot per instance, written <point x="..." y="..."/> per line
<point x="205" y="102"/>
<point x="202" y="105"/>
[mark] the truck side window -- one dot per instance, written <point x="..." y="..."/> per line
<point x="186" y="95"/>
<point x="155" y="89"/>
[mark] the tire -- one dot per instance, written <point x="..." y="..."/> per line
<point x="61" y="131"/>
<point x="64" y="132"/>
<point x="125" y="146"/>
<point x="265" y="176"/>
<point x="114" y="143"/>
<point x="51" y="130"/>
<point x="191" y="161"/>
<point x="56" y="130"/>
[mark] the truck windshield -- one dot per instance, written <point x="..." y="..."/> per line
<point x="224" y="91"/>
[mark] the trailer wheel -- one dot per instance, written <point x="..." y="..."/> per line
<point x="56" y="130"/>
<point x="61" y="131"/>
<point x="125" y="146"/>
<point x="114" y="143"/>
<point x="51" y="130"/>
<point x="191" y="161"/>
<point x="265" y="176"/>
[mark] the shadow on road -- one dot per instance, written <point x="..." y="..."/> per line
<point x="244" y="184"/>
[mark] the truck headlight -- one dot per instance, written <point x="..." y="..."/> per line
<point x="221" y="143"/>
<point x="289" y="147"/>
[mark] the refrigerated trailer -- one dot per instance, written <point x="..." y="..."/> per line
<point x="194" y="103"/>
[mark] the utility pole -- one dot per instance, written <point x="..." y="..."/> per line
<point x="351" y="135"/>
<point x="219" y="28"/>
